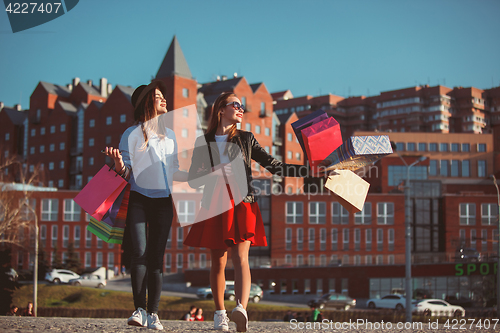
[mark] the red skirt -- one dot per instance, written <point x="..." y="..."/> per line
<point x="235" y="225"/>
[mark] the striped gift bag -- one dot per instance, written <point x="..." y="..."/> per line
<point x="110" y="229"/>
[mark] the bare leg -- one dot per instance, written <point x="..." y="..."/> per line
<point x="218" y="277"/>
<point x="242" y="277"/>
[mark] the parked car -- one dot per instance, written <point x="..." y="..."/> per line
<point x="460" y="300"/>
<point x="333" y="300"/>
<point x="392" y="301"/>
<point x="256" y="293"/>
<point x="57" y="276"/>
<point x="206" y="293"/>
<point x="464" y="254"/>
<point x="437" y="307"/>
<point x="89" y="280"/>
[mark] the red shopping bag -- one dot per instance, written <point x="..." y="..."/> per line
<point x="305" y="122"/>
<point x="321" y="139"/>
<point x="97" y="197"/>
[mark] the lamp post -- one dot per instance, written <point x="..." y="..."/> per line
<point x="498" y="255"/>
<point x="408" y="288"/>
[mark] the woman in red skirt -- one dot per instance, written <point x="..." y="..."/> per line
<point x="229" y="216"/>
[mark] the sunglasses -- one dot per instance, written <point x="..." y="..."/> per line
<point x="236" y="106"/>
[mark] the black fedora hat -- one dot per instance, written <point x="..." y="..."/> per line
<point x="141" y="91"/>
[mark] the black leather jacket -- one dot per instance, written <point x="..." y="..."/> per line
<point x="243" y="149"/>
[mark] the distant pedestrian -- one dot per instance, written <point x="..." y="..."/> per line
<point x="13" y="311"/>
<point x="189" y="316"/>
<point x="300" y="318"/>
<point x="198" y="315"/>
<point x="29" y="310"/>
<point x="288" y="316"/>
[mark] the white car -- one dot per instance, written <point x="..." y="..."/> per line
<point x="393" y="301"/>
<point x="57" y="276"/>
<point x="437" y="307"/>
<point x="89" y="280"/>
<point x="206" y="293"/>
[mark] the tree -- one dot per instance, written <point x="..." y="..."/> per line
<point x="73" y="262"/>
<point x="56" y="258"/>
<point x="17" y="212"/>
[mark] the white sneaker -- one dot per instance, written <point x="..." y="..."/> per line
<point x="154" y="322"/>
<point x="138" y="318"/>
<point x="240" y="317"/>
<point x="221" y="321"/>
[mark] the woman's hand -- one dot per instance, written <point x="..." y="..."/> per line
<point x="115" y="154"/>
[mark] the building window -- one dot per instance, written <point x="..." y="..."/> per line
<point x="185" y="92"/>
<point x="49" y="209"/>
<point x="92" y="123"/>
<point x="297" y="156"/>
<point x="184" y="133"/>
<point x="76" y="241"/>
<point x="180" y="259"/>
<point x="345" y="239"/>
<point x="109" y="120"/>
<point x="32" y="150"/>
<point x="432" y="168"/>
<point x="357" y="239"/>
<point x="33" y="132"/>
<point x="368" y="239"/>
<point x="88" y="259"/>
<point x="481" y="147"/>
<point x="248" y="127"/>
<point x="410" y="146"/>
<point x="42" y="149"/>
<point x="52" y="147"/>
<point x="339" y="214"/>
<point x="61" y="165"/>
<point x="467" y="212"/>
<point x="168" y="262"/>
<point x="123" y="118"/>
<point x="169" y="241"/>
<point x="289" y="155"/>
<point x="98" y="258"/>
<point x="465" y="168"/>
<point x="422" y="146"/>
<point x="54" y="236"/>
<point x="385" y="213"/>
<point x="334" y="240"/>
<point x="7" y="136"/>
<point x="42" y="131"/>
<point x="108" y="139"/>
<point x="489" y="213"/>
<point x="310" y="260"/>
<point x="311" y="239"/>
<point x="88" y="239"/>
<point x="180" y="237"/>
<point x="484" y="240"/>
<point x="289" y="137"/>
<point x="111" y="260"/>
<point x="91" y="142"/>
<point x="433" y="146"/>
<point x="443" y="169"/>
<point x="190" y="263"/>
<point x="294" y="212"/>
<point x="257" y="129"/>
<point x="65" y="235"/>
<point x="390" y="237"/>
<point x="60" y="183"/>
<point x="380" y="239"/>
<point x="71" y="210"/>
<point x="288" y="239"/>
<point x="52" y="129"/>
<point x="63" y="127"/>
<point x="364" y="216"/>
<point x="203" y="260"/>
<point x="465" y="147"/>
<point x="368" y="260"/>
<point x="473" y="238"/>
<point x="454" y="168"/>
<point x="400" y="146"/>
<point x="267" y="131"/>
<point x="300" y="239"/>
<point x="481" y="168"/>
<point x="317" y="212"/>
<point x="91" y="161"/>
<point x="43" y="235"/>
<point x="322" y="239"/>
<point x="186" y="211"/>
<point x="443" y="147"/>
<point x="455" y="147"/>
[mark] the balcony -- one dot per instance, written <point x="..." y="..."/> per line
<point x="74" y="151"/>
<point x="76" y="169"/>
<point x="278" y="141"/>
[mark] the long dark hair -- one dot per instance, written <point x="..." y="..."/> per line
<point x="146" y="114"/>
<point x="215" y="117"/>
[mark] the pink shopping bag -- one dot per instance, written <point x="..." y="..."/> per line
<point x="97" y="197"/>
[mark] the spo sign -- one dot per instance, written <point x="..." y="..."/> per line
<point x="476" y="269"/>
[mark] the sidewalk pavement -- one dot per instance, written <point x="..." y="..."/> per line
<point x="54" y="325"/>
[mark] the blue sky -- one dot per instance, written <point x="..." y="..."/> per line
<point x="348" y="48"/>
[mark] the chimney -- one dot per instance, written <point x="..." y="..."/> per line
<point x="110" y="89"/>
<point x="218" y="78"/>
<point x="17" y="107"/>
<point x="70" y="87"/>
<point x="224" y="77"/>
<point x="235" y="75"/>
<point x="104" y="87"/>
<point x="89" y="82"/>
<point x="76" y="81"/>
<point x="1" y="105"/>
